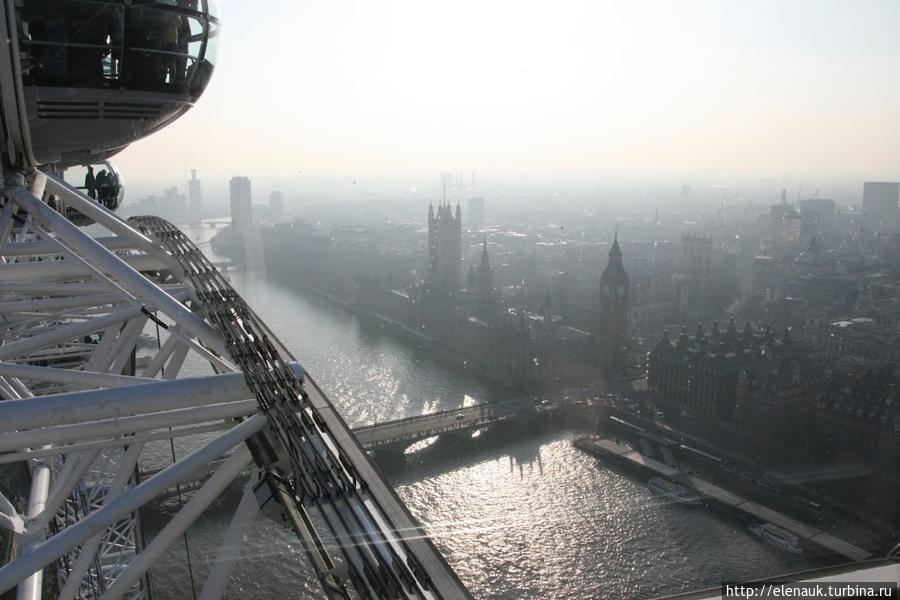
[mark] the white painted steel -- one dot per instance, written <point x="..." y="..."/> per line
<point x="87" y="292"/>
<point x="6" y="226"/>
<point x="96" y="405"/>
<point x="69" y="376"/>
<point x="110" y="263"/>
<point x="199" y="501"/>
<point x="89" y="548"/>
<point x="60" y="270"/>
<point x="101" y="356"/>
<point x="44" y="247"/>
<point x="162" y="355"/>
<point x="76" y="466"/>
<point x="173" y="367"/>
<point x="66" y="333"/>
<point x="30" y="586"/>
<point x="67" y="434"/>
<point x="69" y="288"/>
<point x="233" y="542"/>
<point x="47" y="304"/>
<point x="99" y="214"/>
<point x="126" y="344"/>
<point x="112" y="443"/>
<point x="55" y="547"/>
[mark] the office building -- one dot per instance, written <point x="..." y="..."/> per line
<point x="195" y="198"/>
<point x="879" y="205"/>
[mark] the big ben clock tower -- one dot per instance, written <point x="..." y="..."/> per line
<point x="613" y="319"/>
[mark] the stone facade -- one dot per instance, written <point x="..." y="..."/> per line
<point x="444" y="251"/>
<point x="701" y="372"/>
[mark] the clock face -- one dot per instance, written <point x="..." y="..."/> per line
<point x="606" y="289"/>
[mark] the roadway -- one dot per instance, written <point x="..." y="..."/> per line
<point x="412" y="429"/>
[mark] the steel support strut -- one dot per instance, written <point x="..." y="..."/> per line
<point x="70" y="300"/>
<point x="55" y="547"/>
<point x="320" y="477"/>
<point x="104" y="260"/>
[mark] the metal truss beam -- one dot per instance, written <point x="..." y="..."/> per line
<point x="45" y="553"/>
<point x="45" y="247"/>
<point x="66" y="333"/>
<point x="113" y="443"/>
<point x="85" y="445"/>
<point x="85" y="379"/>
<point x="96" y="405"/>
<point x="60" y="270"/>
<point x="86" y="554"/>
<point x="233" y="541"/>
<point x="68" y="302"/>
<point x="121" y="426"/>
<point x="111" y="264"/>
<point x="76" y="465"/>
<point x="215" y="485"/>
<point x="70" y="288"/>
<point x="113" y="222"/>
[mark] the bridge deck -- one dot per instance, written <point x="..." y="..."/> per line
<point x="419" y="427"/>
<point x="408" y="429"/>
<point x="826" y="540"/>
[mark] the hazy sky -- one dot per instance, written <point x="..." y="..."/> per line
<point x="801" y="88"/>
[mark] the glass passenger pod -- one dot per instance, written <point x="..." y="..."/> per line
<point x="100" y="181"/>
<point x="98" y="75"/>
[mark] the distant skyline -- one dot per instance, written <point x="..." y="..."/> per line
<point x="574" y="90"/>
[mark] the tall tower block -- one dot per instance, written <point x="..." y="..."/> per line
<point x="613" y="320"/>
<point x="195" y="198"/>
<point x="444" y="250"/>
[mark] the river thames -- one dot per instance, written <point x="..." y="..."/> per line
<point x="531" y="517"/>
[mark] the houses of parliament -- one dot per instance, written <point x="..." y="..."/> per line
<point x="492" y="330"/>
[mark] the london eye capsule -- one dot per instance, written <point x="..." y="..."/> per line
<point x="82" y="79"/>
<point x="101" y="182"/>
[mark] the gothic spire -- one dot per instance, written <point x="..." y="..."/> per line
<point x="615" y="253"/>
<point x="614" y="267"/>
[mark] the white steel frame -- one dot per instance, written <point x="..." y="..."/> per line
<point x="72" y="310"/>
<point x="78" y="409"/>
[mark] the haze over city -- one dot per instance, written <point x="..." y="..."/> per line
<point x="353" y="96"/>
<point x="500" y="300"/>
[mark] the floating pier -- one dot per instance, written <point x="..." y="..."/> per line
<point x="610" y="449"/>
